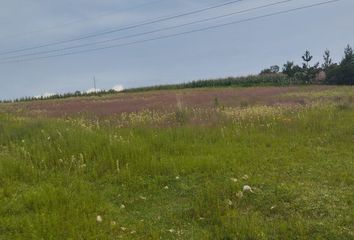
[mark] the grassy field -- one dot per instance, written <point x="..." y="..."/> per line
<point x="181" y="173"/>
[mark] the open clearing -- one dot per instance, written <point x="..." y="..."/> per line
<point x="168" y="100"/>
<point x="229" y="163"/>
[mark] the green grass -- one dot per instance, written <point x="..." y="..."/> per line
<point x="58" y="175"/>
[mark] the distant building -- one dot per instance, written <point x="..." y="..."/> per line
<point x="320" y="77"/>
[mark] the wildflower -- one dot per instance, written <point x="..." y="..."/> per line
<point x="171" y="230"/>
<point x="247" y="188"/>
<point x="99" y="218"/>
<point x="133" y="232"/>
<point x="113" y="223"/>
<point x="229" y="202"/>
<point x="123" y="228"/>
<point x="245" y="177"/>
<point x="234" y="179"/>
<point x="122" y="206"/>
<point x="48" y="138"/>
<point x="239" y="194"/>
<point x="166" y="187"/>
<point x="142" y="197"/>
<point x="272" y="207"/>
<point x="177" y="177"/>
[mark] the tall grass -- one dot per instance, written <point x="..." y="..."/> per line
<point x="182" y="181"/>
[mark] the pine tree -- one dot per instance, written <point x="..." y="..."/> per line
<point x="348" y="55"/>
<point x="307" y="58"/>
<point x="327" y="59"/>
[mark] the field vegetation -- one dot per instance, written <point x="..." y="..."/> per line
<point x="252" y="171"/>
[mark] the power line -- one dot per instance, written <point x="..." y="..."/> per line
<point x="153" y="21"/>
<point x="58" y="26"/>
<point x="177" y="34"/>
<point x="148" y="32"/>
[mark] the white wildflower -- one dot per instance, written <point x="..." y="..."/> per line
<point x="133" y="232"/>
<point x="239" y="194"/>
<point x="171" y="230"/>
<point x="177" y="177"/>
<point x="229" y="202"/>
<point x="123" y="228"/>
<point x="245" y="177"/>
<point x="166" y="187"/>
<point x="142" y="197"/>
<point x="234" y="179"/>
<point x="99" y="218"/>
<point x="122" y="206"/>
<point x="113" y="223"/>
<point x="247" y="188"/>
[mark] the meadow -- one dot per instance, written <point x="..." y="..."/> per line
<point x="242" y="171"/>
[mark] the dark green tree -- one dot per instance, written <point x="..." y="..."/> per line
<point x="342" y="73"/>
<point x="272" y="70"/>
<point x="347" y="67"/>
<point x="327" y="60"/>
<point x="290" y="69"/>
<point x="308" y="73"/>
<point x="348" y="55"/>
<point x="307" y="57"/>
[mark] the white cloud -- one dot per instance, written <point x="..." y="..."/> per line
<point x="118" y="88"/>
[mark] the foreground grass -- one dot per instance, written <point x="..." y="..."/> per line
<point x="181" y="182"/>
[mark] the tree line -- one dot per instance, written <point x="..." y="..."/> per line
<point x="341" y="73"/>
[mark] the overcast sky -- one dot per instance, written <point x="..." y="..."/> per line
<point x="232" y="50"/>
